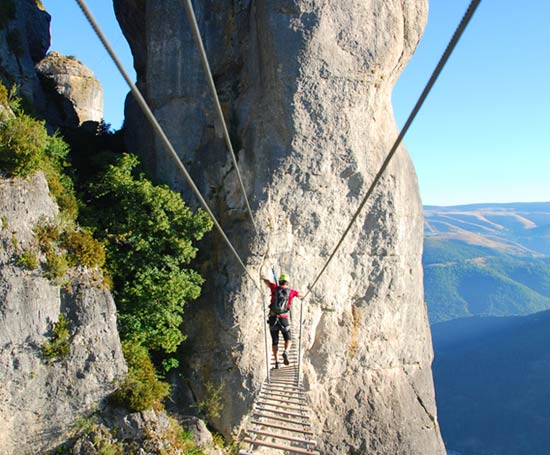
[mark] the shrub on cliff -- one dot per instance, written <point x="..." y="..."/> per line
<point x="149" y="233"/>
<point x="83" y="249"/>
<point x="141" y="389"/>
<point x="59" y="346"/>
<point x="26" y="147"/>
<point x="22" y="144"/>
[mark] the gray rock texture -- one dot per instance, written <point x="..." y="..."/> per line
<point x="306" y="90"/>
<point x="149" y="432"/>
<point x="24" y="40"/>
<point x="75" y="95"/>
<point x="41" y="398"/>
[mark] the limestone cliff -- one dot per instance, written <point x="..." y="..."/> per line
<point x="41" y="398"/>
<point x="305" y="86"/>
<point x="24" y="40"/>
<point x="74" y="95"/>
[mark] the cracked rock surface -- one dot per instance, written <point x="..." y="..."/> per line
<point x="305" y="86"/>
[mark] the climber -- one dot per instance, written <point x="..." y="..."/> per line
<point x="281" y="299"/>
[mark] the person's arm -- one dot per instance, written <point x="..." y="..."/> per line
<point x="266" y="281"/>
<point x="300" y="295"/>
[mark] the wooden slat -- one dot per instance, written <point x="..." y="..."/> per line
<point x="284" y="400"/>
<point x="284" y="388"/>
<point x="283" y="419"/>
<point x="292" y="414"/>
<point x="281" y="427"/>
<point x="270" y="434"/>
<point x="294" y="394"/>
<point x="281" y="447"/>
<point x="281" y="406"/>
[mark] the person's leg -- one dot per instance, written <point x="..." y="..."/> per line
<point x="274" y="331"/>
<point x="287" y="338"/>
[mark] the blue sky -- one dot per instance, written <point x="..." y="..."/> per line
<point x="481" y="134"/>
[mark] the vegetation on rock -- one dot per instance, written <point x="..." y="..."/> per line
<point x="142" y="234"/>
<point x="28" y="259"/>
<point x="148" y="232"/>
<point x="141" y="389"/>
<point x="59" y="346"/>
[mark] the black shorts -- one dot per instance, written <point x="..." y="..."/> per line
<point x="276" y="325"/>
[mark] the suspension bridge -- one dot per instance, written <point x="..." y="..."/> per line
<point x="280" y="418"/>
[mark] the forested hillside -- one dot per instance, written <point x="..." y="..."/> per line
<point x="486" y="259"/>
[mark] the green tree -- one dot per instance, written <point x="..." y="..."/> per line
<point x="22" y="144"/>
<point x="149" y="232"/>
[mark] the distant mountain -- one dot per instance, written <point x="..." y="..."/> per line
<point x="486" y="259"/>
<point x="492" y="384"/>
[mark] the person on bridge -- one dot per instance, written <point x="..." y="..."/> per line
<point x="281" y="299"/>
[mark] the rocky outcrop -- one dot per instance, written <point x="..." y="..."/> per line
<point x="76" y="96"/>
<point x="24" y="40"/>
<point x="42" y="397"/>
<point x="306" y="87"/>
<point x="149" y="432"/>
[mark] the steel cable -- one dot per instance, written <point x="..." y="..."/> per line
<point x="442" y="61"/>
<point x="212" y="86"/>
<point x="160" y="132"/>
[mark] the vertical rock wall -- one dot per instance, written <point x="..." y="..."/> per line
<point x="41" y="399"/>
<point x="305" y="86"/>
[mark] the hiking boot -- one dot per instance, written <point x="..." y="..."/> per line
<point x="285" y="358"/>
<point x="276" y="365"/>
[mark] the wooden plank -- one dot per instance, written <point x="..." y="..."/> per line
<point x="281" y="427"/>
<point x="283" y="419"/>
<point x="292" y="414"/>
<point x="283" y="394"/>
<point x="286" y="388"/>
<point x="270" y="434"/>
<point x="284" y="400"/>
<point x="282" y="406"/>
<point x="281" y="447"/>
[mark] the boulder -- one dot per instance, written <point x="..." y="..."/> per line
<point x="76" y="95"/>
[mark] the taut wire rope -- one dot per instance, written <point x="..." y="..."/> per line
<point x="212" y="86"/>
<point x="160" y="132"/>
<point x="450" y="47"/>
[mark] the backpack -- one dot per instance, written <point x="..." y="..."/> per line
<point x="280" y="302"/>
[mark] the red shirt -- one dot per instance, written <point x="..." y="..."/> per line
<point x="293" y="293"/>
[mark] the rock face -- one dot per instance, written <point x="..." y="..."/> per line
<point x="25" y="38"/>
<point x="305" y="86"/>
<point x="76" y="95"/>
<point x="41" y="398"/>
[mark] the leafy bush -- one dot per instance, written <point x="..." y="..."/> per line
<point x="59" y="347"/>
<point x="141" y="389"/>
<point x="46" y="235"/>
<point x="56" y="266"/>
<point x="28" y="259"/>
<point x="22" y="144"/>
<point x="4" y="222"/>
<point x="61" y="189"/>
<point x="148" y="231"/>
<point x="83" y="249"/>
<point x="3" y="95"/>
<point x="100" y="437"/>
